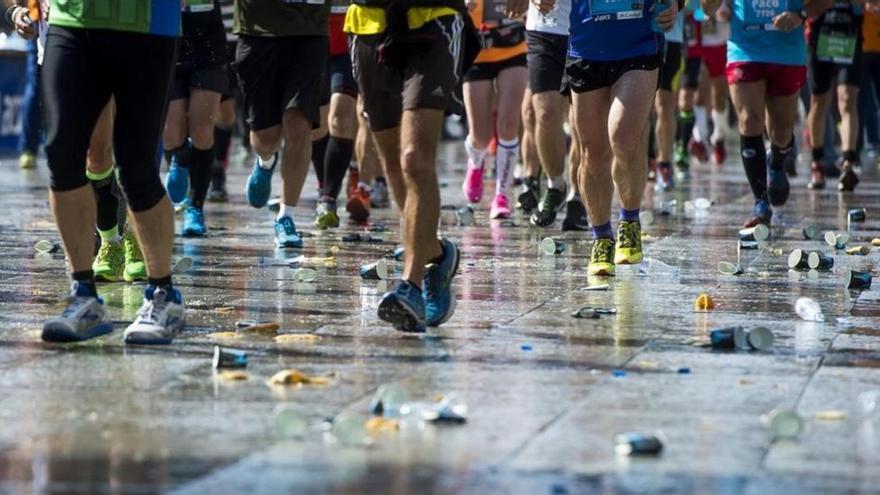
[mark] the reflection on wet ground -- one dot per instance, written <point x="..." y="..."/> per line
<point x="546" y="391"/>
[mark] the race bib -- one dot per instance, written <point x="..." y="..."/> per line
<point x="759" y="14"/>
<point x="604" y="10"/>
<point x="836" y="48"/>
<point x="196" y="6"/>
<point x="339" y="6"/>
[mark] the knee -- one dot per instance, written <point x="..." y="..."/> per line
<point x="266" y="142"/>
<point x="507" y="130"/>
<point x="847" y="100"/>
<point x="173" y="137"/>
<point x="100" y="158"/>
<point x="343" y="127"/>
<point x="202" y="137"/>
<point x="750" y="123"/>
<point x="296" y="127"/>
<point x="416" y="166"/>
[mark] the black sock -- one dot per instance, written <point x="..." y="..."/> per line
<point x="685" y="127"/>
<point x="754" y="157"/>
<point x="339" y="151"/>
<point x="218" y="175"/>
<point x="319" y="149"/>
<point x="181" y="153"/>
<point x="818" y="154"/>
<point x="201" y="163"/>
<point x="779" y="155"/>
<point x="86" y="278"/>
<point x="850" y="156"/>
<point x="161" y="283"/>
<point x="107" y="200"/>
<point x="222" y="138"/>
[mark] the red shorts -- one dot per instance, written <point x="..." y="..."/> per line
<point x="782" y="80"/>
<point x="715" y="58"/>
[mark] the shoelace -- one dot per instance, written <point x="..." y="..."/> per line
<point x="74" y="304"/>
<point x="628" y="236"/>
<point x="151" y="311"/>
<point x="602" y="251"/>
<point x="105" y="250"/>
<point x="551" y="201"/>
<point x="132" y="250"/>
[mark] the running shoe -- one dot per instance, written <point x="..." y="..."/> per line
<point x="761" y="213"/>
<point x="472" y="187"/>
<point x="177" y="181"/>
<point x="439" y="299"/>
<point x="500" y="208"/>
<point x="325" y="215"/>
<point x="698" y="149"/>
<point x="665" y="178"/>
<point x="848" y="179"/>
<point x="135" y="268"/>
<point x="358" y="206"/>
<point x="161" y="317"/>
<point x="527" y="199"/>
<point x="601" y="258"/>
<point x="84" y="318"/>
<point x="259" y="184"/>
<point x="354" y="177"/>
<point x="218" y="193"/>
<point x="379" y="194"/>
<point x="719" y="153"/>
<point x="682" y="163"/>
<point x="817" y="176"/>
<point x="27" y="161"/>
<point x="194" y="222"/>
<point x="404" y="308"/>
<point x="778" y="187"/>
<point x="575" y="216"/>
<point x="550" y="205"/>
<point x="629" y="243"/>
<point x="790" y="163"/>
<point x="109" y="264"/>
<point x="286" y="235"/>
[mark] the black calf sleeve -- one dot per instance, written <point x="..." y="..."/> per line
<point x="754" y="156"/>
<point x="339" y="152"/>
<point x="200" y="165"/>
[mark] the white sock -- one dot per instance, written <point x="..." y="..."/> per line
<point x="702" y="122"/>
<point x="557" y="182"/>
<point x="363" y="185"/>
<point x="476" y="157"/>
<point x="572" y="195"/>
<point x="505" y="160"/>
<point x="285" y="211"/>
<point x="719" y="121"/>
<point x="265" y="164"/>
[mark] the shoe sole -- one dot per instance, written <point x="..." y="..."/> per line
<point x="627" y="261"/>
<point x="131" y="278"/>
<point x="63" y="335"/>
<point x="603" y="272"/>
<point x="105" y="278"/>
<point x="403" y="320"/>
<point x="452" y="301"/>
<point x="192" y="233"/>
<point x="135" y="340"/>
<point x="288" y="245"/>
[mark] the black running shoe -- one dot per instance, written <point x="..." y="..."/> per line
<point x="551" y="203"/>
<point x="575" y="216"/>
<point x="527" y="199"/>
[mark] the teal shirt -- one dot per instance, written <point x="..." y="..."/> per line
<point x="158" y="17"/>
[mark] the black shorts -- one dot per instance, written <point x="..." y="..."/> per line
<point x="670" y="71"/>
<point x="546" y="61"/>
<point x="340" y="79"/>
<point x="233" y="79"/>
<point x="585" y="75"/>
<point x="276" y="74"/>
<point x="203" y="61"/>
<point x="488" y="71"/>
<point x="824" y="75"/>
<point x="428" y="81"/>
<point x="692" y="68"/>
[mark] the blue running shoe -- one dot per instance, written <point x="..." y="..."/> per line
<point x="404" y="308"/>
<point x="761" y="213"/>
<point x="439" y="299"/>
<point x="259" y="185"/>
<point x="194" y="222"/>
<point x="84" y="318"/>
<point x="778" y="187"/>
<point x="177" y="181"/>
<point x="286" y="235"/>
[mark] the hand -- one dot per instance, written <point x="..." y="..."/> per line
<point x="666" y="19"/>
<point x="872" y="6"/>
<point x="24" y="26"/>
<point x="787" y="21"/>
<point x="545" y="6"/>
<point x="471" y="5"/>
<point x="517" y="8"/>
<point x="722" y="14"/>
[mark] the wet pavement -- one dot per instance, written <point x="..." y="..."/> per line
<point x="546" y="392"/>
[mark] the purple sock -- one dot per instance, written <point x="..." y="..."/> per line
<point x="603" y="231"/>
<point x="629" y="215"/>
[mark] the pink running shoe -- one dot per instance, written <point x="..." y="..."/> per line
<point x="500" y="208"/>
<point x="473" y="184"/>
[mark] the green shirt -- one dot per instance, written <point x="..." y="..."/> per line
<point x="281" y="17"/>
<point x="159" y="17"/>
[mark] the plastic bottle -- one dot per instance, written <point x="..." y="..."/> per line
<point x="808" y="309"/>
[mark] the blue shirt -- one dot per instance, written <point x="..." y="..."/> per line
<point x="753" y="39"/>
<point x="676" y="35"/>
<point x="612" y="30"/>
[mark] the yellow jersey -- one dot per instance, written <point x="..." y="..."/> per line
<point x="371" y="20"/>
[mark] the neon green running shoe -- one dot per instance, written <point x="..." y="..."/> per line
<point x="110" y="262"/>
<point x="629" y="243"/>
<point x="135" y="268"/>
<point x="325" y="216"/>
<point x="601" y="258"/>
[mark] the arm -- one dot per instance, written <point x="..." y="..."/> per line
<point x="666" y="19"/>
<point x="517" y="8"/>
<point x="710" y="6"/>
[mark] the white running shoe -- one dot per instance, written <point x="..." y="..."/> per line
<point x="85" y="318"/>
<point x="160" y="319"/>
